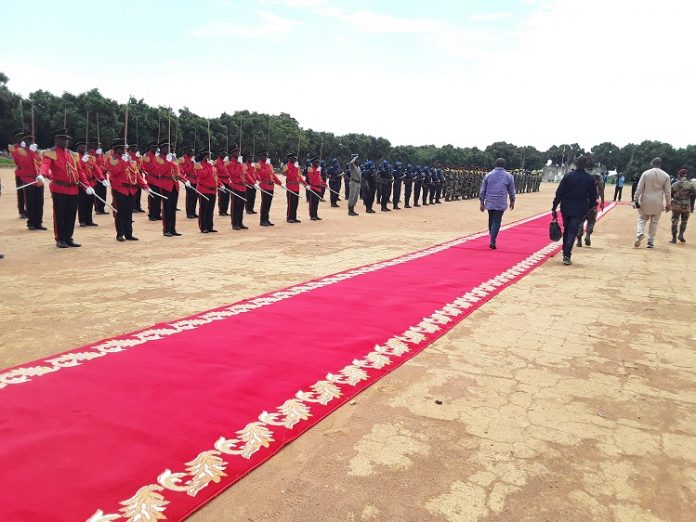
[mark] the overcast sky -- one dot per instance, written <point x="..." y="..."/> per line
<point x="465" y="72"/>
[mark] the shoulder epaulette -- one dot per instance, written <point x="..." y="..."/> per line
<point x="11" y="148"/>
<point x="198" y="166"/>
<point x="146" y="159"/>
<point x="113" y="161"/>
<point x="50" y="153"/>
<point x="22" y="151"/>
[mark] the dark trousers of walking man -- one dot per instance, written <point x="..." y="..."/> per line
<point x="205" y="213"/>
<point x="34" y="203"/>
<point x="617" y="192"/>
<point x="495" y="218"/>
<point x="293" y="200"/>
<point x="169" y="212"/>
<point x="571" y="225"/>
<point x="64" y="214"/>
<point x="85" y="203"/>
<point x="123" y="217"/>
<point x="191" y="200"/>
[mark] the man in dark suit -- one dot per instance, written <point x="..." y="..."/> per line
<point x="577" y="194"/>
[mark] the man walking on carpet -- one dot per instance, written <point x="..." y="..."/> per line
<point x="577" y="195"/>
<point x="653" y="186"/>
<point x="497" y="185"/>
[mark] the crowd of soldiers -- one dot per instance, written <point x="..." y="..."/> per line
<point x="78" y="179"/>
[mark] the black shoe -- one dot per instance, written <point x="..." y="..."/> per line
<point x="369" y="211"/>
<point x="492" y="246"/>
<point x="289" y="220"/>
<point x="235" y="227"/>
<point x="31" y="227"/>
<point x="82" y="224"/>
<point x="92" y="224"/>
<point x="397" y="207"/>
<point x="41" y="227"/>
<point x="579" y="242"/>
<point x="120" y="238"/>
<point x="176" y="234"/>
<point x="416" y="205"/>
<point x="334" y="205"/>
<point x="168" y="234"/>
<point x="189" y="216"/>
<point x="71" y="243"/>
<point x="681" y="239"/>
<point x="673" y="240"/>
<point x="353" y="213"/>
<point x="297" y="221"/>
<point x="407" y="205"/>
<point x="195" y="215"/>
<point x="313" y="218"/>
<point x="204" y="231"/>
<point x="244" y="227"/>
<point x="588" y="241"/>
<point x="152" y="218"/>
<point x="132" y="238"/>
<point x="22" y="215"/>
<point x="263" y="224"/>
<point x="62" y="244"/>
<point x="212" y="230"/>
<point x="567" y="261"/>
<point x="137" y="211"/>
<point x="269" y="224"/>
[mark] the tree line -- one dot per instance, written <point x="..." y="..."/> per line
<point x="90" y="115"/>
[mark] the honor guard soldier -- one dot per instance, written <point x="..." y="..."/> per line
<point x="96" y="151"/>
<point x="125" y="179"/>
<point x="399" y="175"/>
<point x="59" y="166"/>
<point x="252" y="179"/>
<point x="417" y="185"/>
<point x="27" y="162"/>
<point x="385" y="180"/>
<point x="223" y="175"/>
<point x="293" y="180"/>
<point x="147" y="165"/>
<point x="334" y="173"/>
<point x="408" y="185"/>
<point x="186" y="167"/>
<point x="167" y="170"/>
<point x="93" y="174"/>
<point x="20" y="143"/>
<point x="267" y="182"/>
<point x="369" y="186"/>
<point x="316" y="184"/>
<point x="208" y="186"/>
<point x="239" y="172"/>
<point x="135" y="156"/>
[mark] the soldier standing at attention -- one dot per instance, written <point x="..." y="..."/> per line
<point x="169" y="174"/>
<point x="27" y="162"/>
<point x="591" y="216"/>
<point x="369" y="186"/>
<point x="208" y="186"/>
<point x="385" y="185"/>
<point x="220" y="165"/>
<point x="95" y="150"/>
<point x="417" y="185"/>
<point x="396" y="187"/>
<point x="267" y="182"/>
<point x="20" y="143"/>
<point x="408" y="185"/>
<point x="94" y="175"/>
<point x="59" y="165"/>
<point x="425" y="184"/>
<point x="353" y="182"/>
<point x="316" y="184"/>
<point x="334" y="181"/>
<point x="683" y="196"/>
<point x="186" y="167"/>
<point x="125" y="179"/>
<point x="293" y="180"/>
<point x="147" y="166"/>
<point x="252" y="179"/>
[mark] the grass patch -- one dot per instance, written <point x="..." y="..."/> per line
<point x="6" y="162"/>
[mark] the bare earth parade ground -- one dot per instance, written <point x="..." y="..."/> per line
<point x="569" y="396"/>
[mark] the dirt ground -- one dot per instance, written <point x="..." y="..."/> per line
<point x="571" y="395"/>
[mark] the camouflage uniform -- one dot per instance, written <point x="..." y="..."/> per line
<point x="683" y="194"/>
<point x="591" y="216"/>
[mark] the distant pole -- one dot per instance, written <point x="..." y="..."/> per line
<point x="21" y="112"/>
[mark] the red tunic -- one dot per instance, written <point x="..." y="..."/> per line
<point x="207" y="179"/>
<point x="222" y="173"/>
<point x="166" y="173"/>
<point x="250" y="174"/>
<point x="147" y="165"/>
<point x="237" y="176"/>
<point x="315" y="181"/>
<point x="186" y="168"/>
<point x="293" y="177"/>
<point x="124" y="176"/>
<point x="267" y="177"/>
<point x="27" y="163"/>
<point x="60" y="166"/>
<point x="91" y="171"/>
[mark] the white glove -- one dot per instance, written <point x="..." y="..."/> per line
<point x="40" y="179"/>
<point x="125" y="157"/>
<point x="297" y="164"/>
<point x="268" y="161"/>
<point x="85" y="158"/>
<point x="157" y="154"/>
<point x="23" y="144"/>
<point x="89" y="191"/>
<point x="169" y="157"/>
<point x="226" y="158"/>
<point x="240" y="159"/>
<point x="256" y="186"/>
<point x="137" y="154"/>
<point x="187" y="184"/>
<point x="33" y="147"/>
<point x="318" y="169"/>
<point x="99" y="150"/>
<point x="174" y="155"/>
<point x="106" y="183"/>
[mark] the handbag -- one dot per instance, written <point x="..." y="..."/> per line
<point x="555" y="230"/>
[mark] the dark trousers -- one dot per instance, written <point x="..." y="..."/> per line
<point x="101" y="192"/>
<point x="426" y="189"/>
<point x="266" y="200"/>
<point x="123" y="219"/>
<point x="369" y="194"/>
<point x="154" y="205"/>
<point x="169" y="210"/>
<point x="416" y="192"/>
<point x="495" y="218"/>
<point x="64" y="213"/>
<point x="85" y="203"/>
<point x="21" y="201"/>
<point x="408" y="187"/>
<point x="335" y="185"/>
<point x="396" y="189"/>
<point x="34" y="204"/>
<point x="206" y="208"/>
<point x="237" y="218"/>
<point x="191" y="200"/>
<point x="571" y="225"/>
<point x="617" y="192"/>
<point x="385" y="192"/>
<point x="250" y="199"/>
<point x="313" y="204"/>
<point x="136" y="199"/>
<point x="634" y="187"/>
<point x="438" y="192"/>
<point x="347" y="188"/>
<point x="293" y="200"/>
<point x="223" y="202"/>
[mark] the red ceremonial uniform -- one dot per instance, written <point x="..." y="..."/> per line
<point x="267" y="177"/>
<point x="166" y="173"/>
<point x="91" y="171"/>
<point x="124" y="176"/>
<point x="223" y="174"/>
<point x="250" y="173"/>
<point x="207" y="178"/>
<point x="186" y="168"/>
<point x="293" y="177"/>
<point x="99" y="158"/>
<point x="60" y="166"/>
<point x="237" y="176"/>
<point x="148" y="166"/>
<point x="27" y="163"/>
<point x="315" y="181"/>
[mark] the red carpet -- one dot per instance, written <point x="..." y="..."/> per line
<point x="151" y="425"/>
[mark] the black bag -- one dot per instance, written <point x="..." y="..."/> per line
<point x="555" y="231"/>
